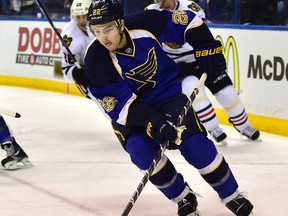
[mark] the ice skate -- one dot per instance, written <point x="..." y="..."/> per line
<point x="240" y="206"/>
<point x="16" y="158"/>
<point x="251" y="133"/>
<point x="188" y="205"/>
<point x="219" y="135"/>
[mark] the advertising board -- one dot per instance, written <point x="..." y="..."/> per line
<point x="31" y="57"/>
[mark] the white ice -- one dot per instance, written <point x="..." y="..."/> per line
<point x="80" y="169"/>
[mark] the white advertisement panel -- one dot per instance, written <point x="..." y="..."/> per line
<point x="29" y="48"/>
<point x="258" y="67"/>
<point x="257" y="60"/>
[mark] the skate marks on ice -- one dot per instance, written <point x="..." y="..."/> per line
<point x="80" y="169"/>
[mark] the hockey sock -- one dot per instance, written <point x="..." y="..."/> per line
<point x="167" y="180"/>
<point x="202" y="105"/>
<point x="201" y="153"/>
<point x="230" y="101"/>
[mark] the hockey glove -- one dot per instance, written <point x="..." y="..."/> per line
<point x="80" y="81"/>
<point x="210" y="58"/>
<point x="162" y="131"/>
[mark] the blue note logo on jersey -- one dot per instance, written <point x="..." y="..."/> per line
<point x="144" y="73"/>
<point x="108" y="103"/>
<point x="180" y="17"/>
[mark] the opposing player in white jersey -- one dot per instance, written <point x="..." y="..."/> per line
<point x="219" y="84"/>
<point x="77" y="36"/>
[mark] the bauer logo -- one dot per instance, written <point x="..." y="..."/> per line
<point x="208" y="52"/>
<point x="37" y="46"/>
<point x="231" y="45"/>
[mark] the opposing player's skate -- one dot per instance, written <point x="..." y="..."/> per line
<point x="251" y="133"/>
<point x="219" y="135"/>
<point x="188" y="205"/>
<point x="16" y="158"/>
<point x="240" y="206"/>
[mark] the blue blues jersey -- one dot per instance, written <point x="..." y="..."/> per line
<point x="127" y="83"/>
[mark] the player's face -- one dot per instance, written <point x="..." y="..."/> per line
<point x="167" y="4"/>
<point x="108" y="35"/>
<point x="81" y="21"/>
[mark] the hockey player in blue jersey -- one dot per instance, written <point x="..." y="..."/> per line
<point x="138" y="86"/>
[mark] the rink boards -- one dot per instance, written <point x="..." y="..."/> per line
<point x="258" y="68"/>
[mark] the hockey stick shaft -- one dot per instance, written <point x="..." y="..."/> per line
<point x="76" y="63"/>
<point x="57" y="33"/>
<point x="163" y="147"/>
<point x="10" y="113"/>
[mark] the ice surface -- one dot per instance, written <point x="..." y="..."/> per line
<point x="80" y="168"/>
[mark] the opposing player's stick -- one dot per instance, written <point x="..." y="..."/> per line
<point x="160" y="153"/>
<point x="57" y="33"/>
<point x="76" y="63"/>
<point x="10" y="113"/>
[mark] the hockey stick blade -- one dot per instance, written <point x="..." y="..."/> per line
<point x="10" y="113"/>
<point x="163" y="147"/>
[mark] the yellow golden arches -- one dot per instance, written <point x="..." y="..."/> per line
<point x="231" y="43"/>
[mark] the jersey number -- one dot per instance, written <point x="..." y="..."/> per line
<point x="68" y="58"/>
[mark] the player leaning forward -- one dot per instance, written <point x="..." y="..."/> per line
<point x="137" y="85"/>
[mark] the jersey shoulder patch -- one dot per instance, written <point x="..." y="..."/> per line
<point x="194" y="7"/>
<point x="67" y="40"/>
<point x="180" y="17"/>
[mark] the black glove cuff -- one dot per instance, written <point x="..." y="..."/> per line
<point x="79" y="76"/>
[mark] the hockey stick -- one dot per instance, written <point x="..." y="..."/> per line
<point x="57" y="33"/>
<point x="10" y="113"/>
<point x="163" y="147"/>
<point x="76" y="63"/>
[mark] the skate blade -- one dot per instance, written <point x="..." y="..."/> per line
<point x="221" y="143"/>
<point x="246" y="139"/>
<point x="257" y="140"/>
<point x="224" y="142"/>
<point x="197" y="213"/>
<point x="13" y="165"/>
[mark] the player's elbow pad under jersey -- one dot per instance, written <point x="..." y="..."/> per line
<point x="199" y="35"/>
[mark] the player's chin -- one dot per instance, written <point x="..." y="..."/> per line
<point x="83" y="27"/>
<point x="109" y="46"/>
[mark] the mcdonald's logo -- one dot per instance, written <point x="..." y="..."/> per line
<point x="231" y="45"/>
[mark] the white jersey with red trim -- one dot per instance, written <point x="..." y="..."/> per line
<point x="77" y="42"/>
<point x="182" y="5"/>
